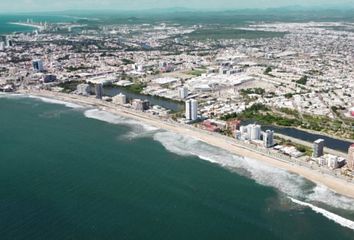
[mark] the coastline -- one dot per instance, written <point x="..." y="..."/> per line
<point x="336" y="184"/>
<point x="27" y="25"/>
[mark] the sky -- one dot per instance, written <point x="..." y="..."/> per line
<point x="59" y="5"/>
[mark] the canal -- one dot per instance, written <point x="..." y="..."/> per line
<point x="168" y="104"/>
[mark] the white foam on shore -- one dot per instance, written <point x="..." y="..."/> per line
<point x="43" y="99"/>
<point x="11" y="95"/>
<point x="321" y="193"/>
<point x="54" y="101"/>
<point x="290" y="184"/>
<point x="138" y="129"/>
<point x="261" y="173"/>
<point x="334" y="217"/>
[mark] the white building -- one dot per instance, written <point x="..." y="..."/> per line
<point x="182" y="92"/>
<point x="254" y="132"/>
<point x="119" y="99"/>
<point x="83" y="89"/>
<point x="268" y="138"/>
<point x="191" y="109"/>
<point x="318" y="146"/>
<point x="137" y="104"/>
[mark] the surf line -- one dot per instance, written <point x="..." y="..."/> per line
<point x="334" y="217"/>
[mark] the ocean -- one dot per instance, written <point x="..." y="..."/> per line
<point x="7" y="28"/>
<point x="67" y="172"/>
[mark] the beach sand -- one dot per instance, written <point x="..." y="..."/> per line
<point x="335" y="184"/>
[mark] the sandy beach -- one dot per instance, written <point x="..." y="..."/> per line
<point x="27" y="25"/>
<point x="336" y="184"/>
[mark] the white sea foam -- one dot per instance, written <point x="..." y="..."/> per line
<point x="138" y="129"/>
<point x="261" y="173"/>
<point x="323" y="194"/>
<point x="288" y="183"/>
<point x="11" y="95"/>
<point x="53" y="101"/>
<point x="334" y="217"/>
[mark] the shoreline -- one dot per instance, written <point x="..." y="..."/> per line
<point x="27" y="25"/>
<point x="336" y="184"/>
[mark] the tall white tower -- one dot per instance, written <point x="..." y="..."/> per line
<point x="182" y="92"/>
<point x="191" y="109"/>
<point x="268" y="138"/>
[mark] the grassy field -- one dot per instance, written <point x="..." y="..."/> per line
<point x="226" y="33"/>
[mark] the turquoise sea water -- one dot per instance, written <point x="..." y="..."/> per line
<point x="7" y="28"/>
<point x="73" y="173"/>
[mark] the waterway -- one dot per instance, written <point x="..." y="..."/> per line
<point x="168" y="104"/>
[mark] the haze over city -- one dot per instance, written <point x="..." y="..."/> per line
<point x="47" y="5"/>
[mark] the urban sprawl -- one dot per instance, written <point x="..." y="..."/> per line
<point x="301" y="76"/>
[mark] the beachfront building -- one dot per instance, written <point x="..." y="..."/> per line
<point x="268" y="138"/>
<point x="140" y="105"/>
<point x="119" y="99"/>
<point x="191" y="109"/>
<point x="137" y="104"/>
<point x="318" y="146"/>
<point x="249" y="132"/>
<point x="254" y="131"/>
<point x="182" y="92"/>
<point x="83" y="89"/>
<point x="350" y="160"/>
<point x="99" y="91"/>
<point x="8" y="42"/>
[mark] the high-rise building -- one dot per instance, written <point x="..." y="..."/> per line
<point x="8" y="42"/>
<point x="350" y="160"/>
<point x="253" y="132"/>
<point x="182" y="92"/>
<point x="83" y="89"/>
<point x="38" y="65"/>
<point x="138" y="104"/>
<point x="191" y="109"/>
<point x="99" y="91"/>
<point x="120" y="99"/>
<point x="318" y="146"/>
<point x="268" y="138"/>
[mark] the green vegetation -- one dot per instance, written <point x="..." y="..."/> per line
<point x="301" y="148"/>
<point x="262" y="114"/>
<point x="302" y="80"/>
<point x="288" y="95"/>
<point x="268" y="71"/>
<point x="196" y="72"/>
<point x="127" y="61"/>
<point x="259" y="91"/>
<point x="229" y="33"/>
<point x="135" y="88"/>
<point x="69" y="86"/>
<point x="81" y="67"/>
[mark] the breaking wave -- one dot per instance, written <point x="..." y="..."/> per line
<point x="53" y="101"/>
<point x="291" y="185"/>
<point x="11" y="95"/>
<point x="261" y="173"/>
<point x="138" y="129"/>
<point x="43" y="99"/>
<point x="288" y="183"/>
<point x="334" y="217"/>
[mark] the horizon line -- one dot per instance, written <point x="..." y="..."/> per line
<point x="185" y="9"/>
